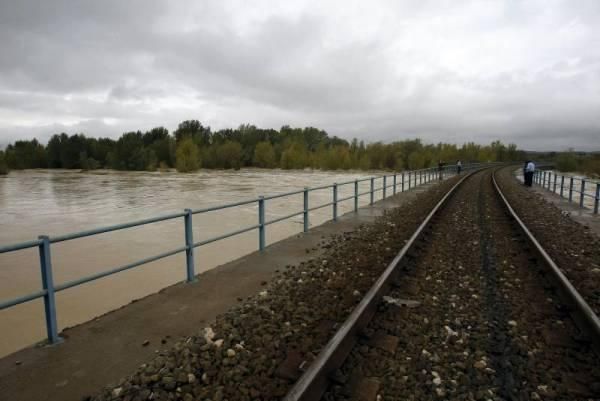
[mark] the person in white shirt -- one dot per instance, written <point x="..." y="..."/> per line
<point x="458" y="166"/>
<point x="529" y="170"/>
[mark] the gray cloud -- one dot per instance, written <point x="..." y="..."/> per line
<point x="523" y="72"/>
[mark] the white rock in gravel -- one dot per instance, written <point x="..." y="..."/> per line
<point x="324" y="262"/>
<point x="512" y="323"/>
<point x="435" y="374"/>
<point x="535" y="396"/>
<point x="204" y="378"/>
<point x="440" y="392"/>
<point x="263" y="293"/>
<point x="239" y="346"/>
<point x="425" y="353"/>
<point x="191" y="378"/>
<point x="209" y="334"/>
<point x="299" y="281"/>
<point x="450" y="332"/>
<point x="480" y="364"/>
<point x="117" y="391"/>
<point x="437" y="381"/>
<point x="218" y="343"/>
<point x="230" y="353"/>
<point x="356" y="293"/>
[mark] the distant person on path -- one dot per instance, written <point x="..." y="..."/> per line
<point x="458" y="166"/>
<point x="440" y="169"/>
<point x="529" y="170"/>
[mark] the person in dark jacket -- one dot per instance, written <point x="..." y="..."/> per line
<point x="529" y="170"/>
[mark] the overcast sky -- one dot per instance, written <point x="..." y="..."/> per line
<point x="526" y="72"/>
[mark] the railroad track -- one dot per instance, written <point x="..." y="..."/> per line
<point x="474" y="308"/>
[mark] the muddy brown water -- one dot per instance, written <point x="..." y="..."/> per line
<point x="55" y="202"/>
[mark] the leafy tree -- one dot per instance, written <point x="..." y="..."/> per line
<point x="264" y="155"/>
<point x="3" y="166"/>
<point x="195" y="130"/>
<point x="229" y="155"/>
<point x="566" y="161"/>
<point x="187" y="157"/>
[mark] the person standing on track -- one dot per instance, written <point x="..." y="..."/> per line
<point x="458" y="167"/>
<point x="529" y="170"/>
<point x="440" y="169"/>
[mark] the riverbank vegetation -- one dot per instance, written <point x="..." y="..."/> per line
<point x="586" y="163"/>
<point x="3" y="166"/>
<point x="192" y="146"/>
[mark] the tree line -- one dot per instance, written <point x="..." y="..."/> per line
<point x="192" y="146"/>
<point x="572" y="161"/>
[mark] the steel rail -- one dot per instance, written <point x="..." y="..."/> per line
<point x="583" y="314"/>
<point x="313" y="382"/>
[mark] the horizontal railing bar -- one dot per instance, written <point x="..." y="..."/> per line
<point x="22" y="245"/>
<point x="284" y="194"/>
<point x="23" y="299"/>
<point x="220" y="237"/>
<point x="320" y="206"/>
<point x="101" y="230"/>
<point x="320" y="187"/>
<point x="346" y="198"/>
<point x="71" y="236"/>
<point x="346" y="182"/>
<point x="227" y="206"/>
<point x="364" y="193"/>
<point x="84" y="280"/>
<point x="277" y="220"/>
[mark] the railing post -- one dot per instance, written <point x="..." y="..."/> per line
<point x="384" y="185"/>
<point x="372" y="186"/>
<point x="582" y="193"/>
<point x="394" y="183"/>
<point x="597" y="200"/>
<point x="562" y="185"/>
<point x="335" y="198"/>
<point x="305" y="213"/>
<point x="402" y="188"/>
<point x="554" y="187"/>
<point x="543" y="180"/>
<point x="261" y="223"/>
<point x="189" y="246"/>
<point x="355" y="195"/>
<point x="571" y="190"/>
<point x="409" y="179"/>
<point x="420" y="177"/>
<point x="48" y="286"/>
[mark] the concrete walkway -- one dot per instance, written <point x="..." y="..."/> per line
<point x="583" y="216"/>
<point x="111" y="346"/>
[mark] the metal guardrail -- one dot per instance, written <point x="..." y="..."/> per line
<point x="553" y="181"/>
<point x="409" y="179"/>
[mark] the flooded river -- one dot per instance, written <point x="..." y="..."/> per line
<point x="55" y="202"/>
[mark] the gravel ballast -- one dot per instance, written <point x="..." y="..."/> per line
<point x="238" y="357"/>
<point x="574" y="247"/>
<point x="479" y="323"/>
